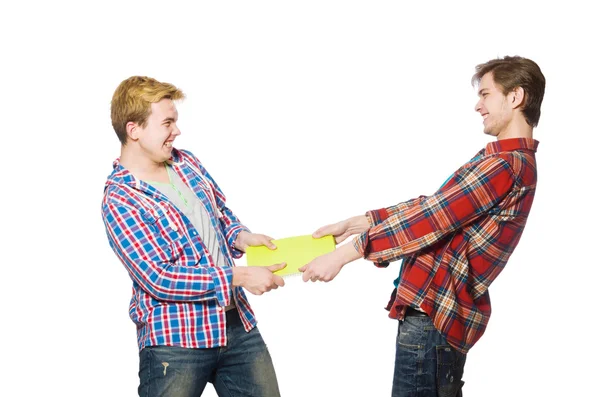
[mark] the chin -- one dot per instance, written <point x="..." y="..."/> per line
<point x="163" y="156"/>
<point x="490" y="131"/>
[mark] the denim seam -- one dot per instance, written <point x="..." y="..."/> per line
<point x="219" y="379"/>
<point x="149" y="372"/>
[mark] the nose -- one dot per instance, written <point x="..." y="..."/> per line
<point x="478" y="105"/>
<point x="176" y="131"/>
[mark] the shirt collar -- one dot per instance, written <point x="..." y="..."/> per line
<point x="507" y="145"/>
<point x="122" y="174"/>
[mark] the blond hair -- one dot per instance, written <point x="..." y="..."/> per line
<point x="132" y="101"/>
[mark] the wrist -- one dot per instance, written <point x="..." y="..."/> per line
<point x="347" y="253"/>
<point x="240" y="274"/>
<point x="358" y="224"/>
<point x="240" y="241"/>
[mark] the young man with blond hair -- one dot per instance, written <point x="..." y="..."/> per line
<point x="454" y="243"/>
<point x="167" y="221"/>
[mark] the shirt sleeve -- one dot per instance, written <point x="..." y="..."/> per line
<point x="378" y="216"/>
<point x="147" y="257"/>
<point x="409" y="227"/>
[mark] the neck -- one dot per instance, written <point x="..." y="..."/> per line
<point x="140" y="166"/>
<point x="517" y="128"/>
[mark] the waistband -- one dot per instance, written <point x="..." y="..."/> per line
<point x="411" y="312"/>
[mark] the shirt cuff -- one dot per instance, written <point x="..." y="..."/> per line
<point x="236" y="253"/>
<point x="360" y="243"/>
<point x="377" y="216"/>
<point x="222" y="279"/>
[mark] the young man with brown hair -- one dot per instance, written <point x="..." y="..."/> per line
<point x="167" y="221"/>
<point x="454" y="243"/>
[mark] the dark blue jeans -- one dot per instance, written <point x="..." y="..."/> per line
<point x="242" y="368"/>
<point x="426" y="365"/>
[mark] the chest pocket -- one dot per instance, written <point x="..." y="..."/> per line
<point x="165" y="221"/>
<point x="200" y="185"/>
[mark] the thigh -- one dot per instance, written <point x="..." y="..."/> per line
<point x="245" y="368"/>
<point x="414" y="369"/>
<point x="175" y="371"/>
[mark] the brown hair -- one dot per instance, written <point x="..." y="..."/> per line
<point x="512" y="72"/>
<point x="132" y="100"/>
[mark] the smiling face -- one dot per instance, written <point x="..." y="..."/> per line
<point x="494" y="106"/>
<point x="155" y="139"/>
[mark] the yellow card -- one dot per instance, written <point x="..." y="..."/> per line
<point x="295" y="251"/>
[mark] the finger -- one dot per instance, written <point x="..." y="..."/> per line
<point x="302" y="268"/>
<point x="268" y="242"/>
<point x="279" y="281"/>
<point x="306" y="276"/>
<point x="274" y="268"/>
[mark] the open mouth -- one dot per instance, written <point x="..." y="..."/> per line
<point x="169" y="144"/>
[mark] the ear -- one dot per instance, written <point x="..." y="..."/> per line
<point x="517" y="97"/>
<point x="133" y="130"/>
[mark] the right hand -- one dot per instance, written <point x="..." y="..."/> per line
<point x="258" y="279"/>
<point x="344" y="229"/>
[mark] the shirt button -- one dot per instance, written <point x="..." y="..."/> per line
<point x="220" y="308"/>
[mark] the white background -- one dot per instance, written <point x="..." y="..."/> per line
<point x="305" y="113"/>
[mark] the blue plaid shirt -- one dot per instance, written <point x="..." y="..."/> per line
<point x="179" y="293"/>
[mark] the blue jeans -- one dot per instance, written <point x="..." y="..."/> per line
<point x="426" y="365"/>
<point x="242" y="368"/>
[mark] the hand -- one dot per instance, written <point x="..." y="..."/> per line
<point x="245" y="240"/>
<point x="322" y="268"/>
<point x="344" y="229"/>
<point x="258" y="279"/>
<point x="326" y="267"/>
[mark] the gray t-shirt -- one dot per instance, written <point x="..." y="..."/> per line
<point x="190" y="205"/>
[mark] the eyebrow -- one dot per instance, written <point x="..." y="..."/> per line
<point x="171" y="119"/>
<point x="481" y="90"/>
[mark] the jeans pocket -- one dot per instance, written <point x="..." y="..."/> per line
<point x="450" y="366"/>
<point x="409" y="335"/>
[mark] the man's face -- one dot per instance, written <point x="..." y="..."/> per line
<point x="156" y="139"/>
<point x="493" y="106"/>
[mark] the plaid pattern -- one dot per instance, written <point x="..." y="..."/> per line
<point x="456" y="242"/>
<point x="179" y="294"/>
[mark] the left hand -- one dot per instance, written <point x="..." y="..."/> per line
<point x="326" y="267"/>
<point x="245" y="240"/>
<point x="322" y="268"/>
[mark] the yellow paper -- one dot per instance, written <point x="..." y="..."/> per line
<point x="295" y="251"/>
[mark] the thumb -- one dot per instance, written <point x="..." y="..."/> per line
<point x="322" y="231"/>
<point x="279" y="281"/>
<point x="268" y="241"/>
<point x="274" y="268"/>
<point x="340" y="239"/>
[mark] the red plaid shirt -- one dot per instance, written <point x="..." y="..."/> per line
<point x="456" y="242"/>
